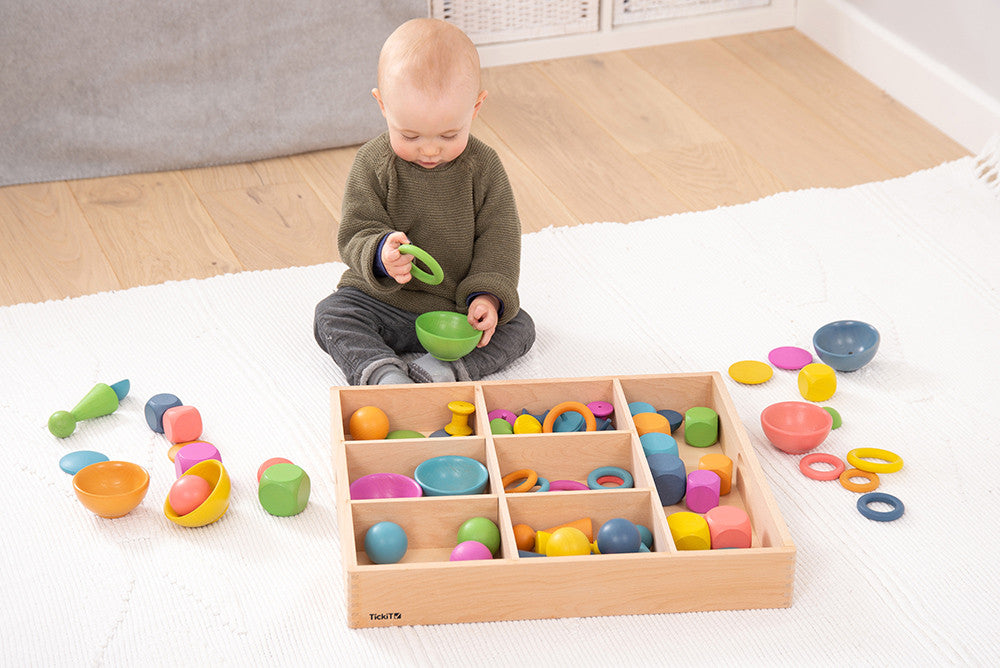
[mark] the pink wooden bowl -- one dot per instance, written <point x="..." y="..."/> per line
<point x="385" y="486"/>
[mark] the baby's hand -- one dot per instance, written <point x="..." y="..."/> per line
<point x="483" y="316"/>
<point x="396" y="264"/>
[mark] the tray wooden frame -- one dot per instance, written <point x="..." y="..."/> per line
<point x="425" y="588"/>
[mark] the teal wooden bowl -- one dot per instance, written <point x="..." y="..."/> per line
<point x="451" y="475"/>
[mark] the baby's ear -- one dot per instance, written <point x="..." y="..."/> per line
<point x="378" y="98"/>
<point x="479" y="103"/>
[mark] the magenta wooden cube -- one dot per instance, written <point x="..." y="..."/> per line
<point x="729" y="526"/>
<point x="192" y="453"/>
<point x="702" y="490"/>
<point x="182" y="424"/>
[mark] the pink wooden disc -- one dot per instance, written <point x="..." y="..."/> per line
<point x="789" y="357"/>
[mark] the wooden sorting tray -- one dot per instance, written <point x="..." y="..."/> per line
<point x="426" y="588"/>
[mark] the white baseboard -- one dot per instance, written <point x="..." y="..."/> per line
<point x="950" y="102"/>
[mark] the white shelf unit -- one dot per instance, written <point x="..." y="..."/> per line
<point x="519" y="31"/>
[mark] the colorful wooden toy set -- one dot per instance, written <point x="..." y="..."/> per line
<point x="798" y="427"/>
<point x="554" y="493"/>
<point x="199" y="495"/>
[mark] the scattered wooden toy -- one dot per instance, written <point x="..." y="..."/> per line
<point x="157" y="405"/>
<point x="284" y="489"/>
<point x="102" y="400"/>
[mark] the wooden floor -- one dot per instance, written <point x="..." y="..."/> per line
<point x="616" y="137"/>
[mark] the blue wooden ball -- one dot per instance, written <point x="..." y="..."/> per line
<point x="618" y="536"/>
<point x="385" y="542"/>
<point x="647" y="537"/>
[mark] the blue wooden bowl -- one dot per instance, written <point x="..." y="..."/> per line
<point x="846" y="345"/>
<point x="451" y="475"/>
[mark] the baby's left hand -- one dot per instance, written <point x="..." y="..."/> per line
<point x="483" y="316"/>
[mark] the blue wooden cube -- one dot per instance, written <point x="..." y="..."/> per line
<point x="669" y="476"/>
<point x="656" y="441"/>
<point x="156" y="407"/>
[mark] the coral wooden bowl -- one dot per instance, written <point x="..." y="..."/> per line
<point x="795" y="426"/>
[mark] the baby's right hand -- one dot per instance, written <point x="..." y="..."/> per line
<point x="396" y="264"/>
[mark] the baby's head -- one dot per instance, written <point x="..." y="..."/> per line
<point x="429" y="90"/>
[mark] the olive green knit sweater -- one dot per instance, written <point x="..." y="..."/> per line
<point x="462" y="213"/>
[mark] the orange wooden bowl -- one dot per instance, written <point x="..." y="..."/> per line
<point x="111" y="489"/>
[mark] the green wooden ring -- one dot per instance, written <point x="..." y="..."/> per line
<point x="436" y="275"/>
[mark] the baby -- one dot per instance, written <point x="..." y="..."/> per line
<point x="426" y="182"/>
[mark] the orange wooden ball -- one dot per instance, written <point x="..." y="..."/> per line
<point x="524" y="537"/>
<point x="369" y="423"/>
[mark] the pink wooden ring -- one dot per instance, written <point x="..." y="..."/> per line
<point x="805" y="465"/>
<point x="566" y="486"/>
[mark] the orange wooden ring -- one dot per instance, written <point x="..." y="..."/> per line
<point x="587" y="414"/>
<point x="845" y="480"/>
<point x="529" y="477"/>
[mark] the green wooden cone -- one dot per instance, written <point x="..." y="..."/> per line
<point x="101" y="400"/>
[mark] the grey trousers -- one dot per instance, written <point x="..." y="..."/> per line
<point x="362" y="334"/>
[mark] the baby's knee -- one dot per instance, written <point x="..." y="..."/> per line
<point x="526" y="330"/>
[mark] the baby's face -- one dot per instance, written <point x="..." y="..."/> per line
<point x="426" y="130"/>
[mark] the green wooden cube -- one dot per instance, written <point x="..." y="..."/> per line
<point x="701" y="426"/>
<point x="284" y="490"/>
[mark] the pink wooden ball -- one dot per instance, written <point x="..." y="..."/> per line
<point x="269" y="463"/>
<point x="187" y="493"/>
<point x="470" y="550"/>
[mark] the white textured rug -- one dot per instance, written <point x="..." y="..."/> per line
<point x="916" y="257"/>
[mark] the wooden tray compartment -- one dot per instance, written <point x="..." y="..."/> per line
<point x="431" y="526"/>
<point x="403" y="455"/>
<point x="556" y="457"/>
<point x="426" y="588"/>
<point x="539" y="396"/>
<point x="688" y="393"/>
<point x="422" y="408"/>
<point x="541" y="512"/>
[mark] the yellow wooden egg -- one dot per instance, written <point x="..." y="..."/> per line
<point x="750" y="372"/>
<point x="527" y="424"/>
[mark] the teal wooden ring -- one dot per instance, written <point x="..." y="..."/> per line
<point x="436" y="275"/>
<point x="542" y="484"/>
<point x="615" y="471"/>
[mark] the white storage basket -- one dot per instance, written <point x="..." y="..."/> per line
<point x="637" y="11"/>
<point x="492" y="21"/>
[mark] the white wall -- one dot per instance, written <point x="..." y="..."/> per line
<point x="942" y="59"/>
<point x="963" y="34"/>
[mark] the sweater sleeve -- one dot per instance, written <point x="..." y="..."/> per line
<point x="365" y="219"/>
<point x="496" y="261"/>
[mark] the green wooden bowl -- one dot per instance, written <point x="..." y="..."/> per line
<point x="447" y="335"/>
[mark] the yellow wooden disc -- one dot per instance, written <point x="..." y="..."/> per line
<point x="750" y="372"/>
